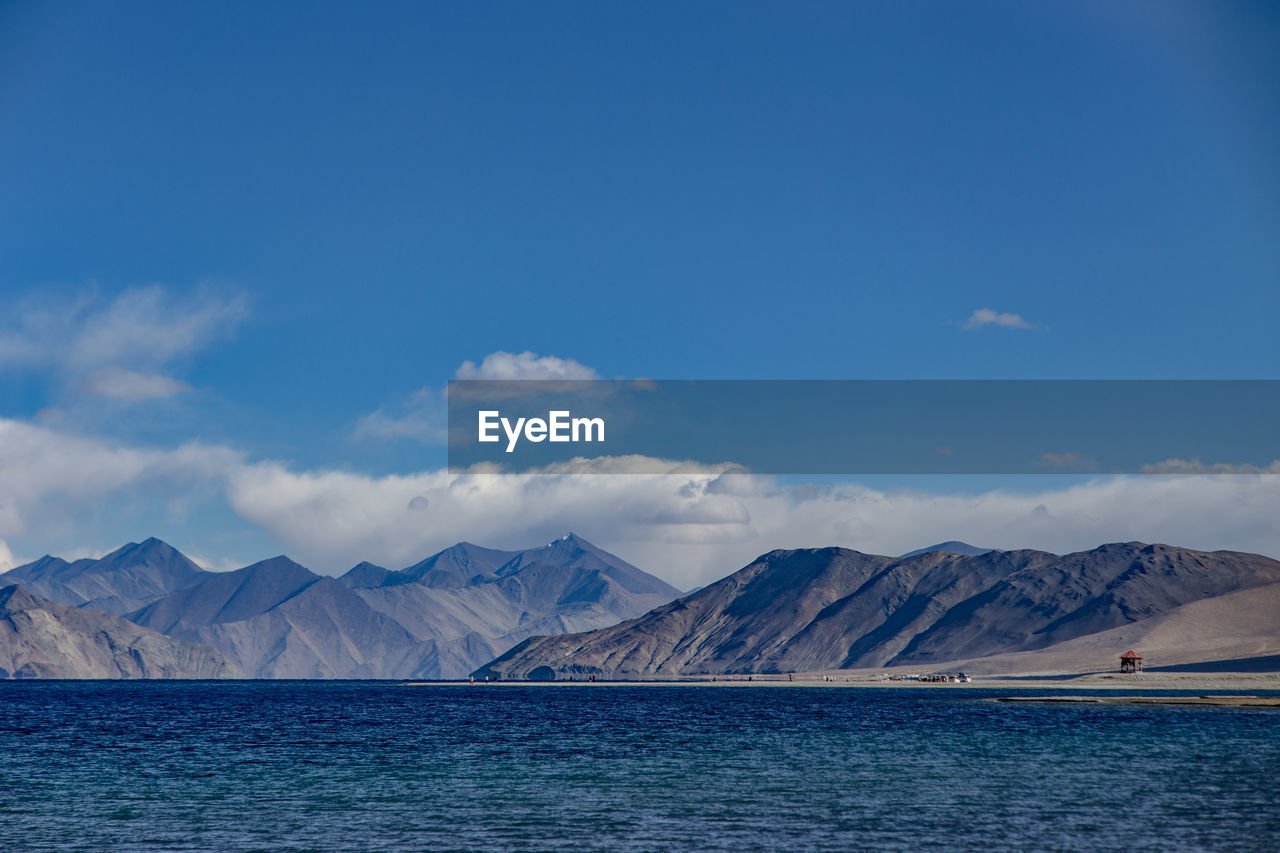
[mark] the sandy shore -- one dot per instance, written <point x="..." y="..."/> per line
<point x="1223" y="701"/>
<point x="1232" y="681"/>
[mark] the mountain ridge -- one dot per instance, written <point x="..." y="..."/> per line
<point x="40" y="638"/>
<point x="833" y="608"/>
<point x="569" y="601"/>
<point x="117" y="583"/>
<point x="952" y="546"/>
<point x="440" y="617"/>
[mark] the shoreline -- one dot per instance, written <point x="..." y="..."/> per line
<point x="1107" y="682"/>
<point x="1213" y="701"/>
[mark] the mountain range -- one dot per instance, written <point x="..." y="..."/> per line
<point x="118" y="583"/>
<point x="568" y="608"/>
<point x="440" y="618"/>
<point x="40" y="638"/>
<point x="832" y="608"/>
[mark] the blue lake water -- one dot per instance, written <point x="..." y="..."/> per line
<point x="134" y="766"/>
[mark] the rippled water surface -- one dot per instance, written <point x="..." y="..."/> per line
<point x="372" y="766"/>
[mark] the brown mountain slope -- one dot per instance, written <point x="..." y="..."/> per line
<point x="1240" y="625"/>
<point x="832" y="608"/>
<point x="43" y="639"/>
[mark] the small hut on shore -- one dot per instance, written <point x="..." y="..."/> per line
<point x="1131" y="661"/>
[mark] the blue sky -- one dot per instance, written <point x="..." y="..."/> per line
<point x="340" y="205"/>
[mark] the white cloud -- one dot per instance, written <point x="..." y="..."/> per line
<point x="697" y="525"/>
<point x="1195" y="466"/>
<point x="222" y="564"/>
<point x="987" y="317"/>
<point x="48" y="476"/>
<point x="688" y="523"/>
<point x="423" y="415"/>
<point x="525" y="365"/>
<point x="118" y="347"/>
<point x="121" y="384"/>
<point x="6" y="557"/>
<point x="151" y="326"/>
<point x="339" y="518"/>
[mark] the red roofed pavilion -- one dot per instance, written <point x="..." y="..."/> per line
<point x="1131" y="661"/>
